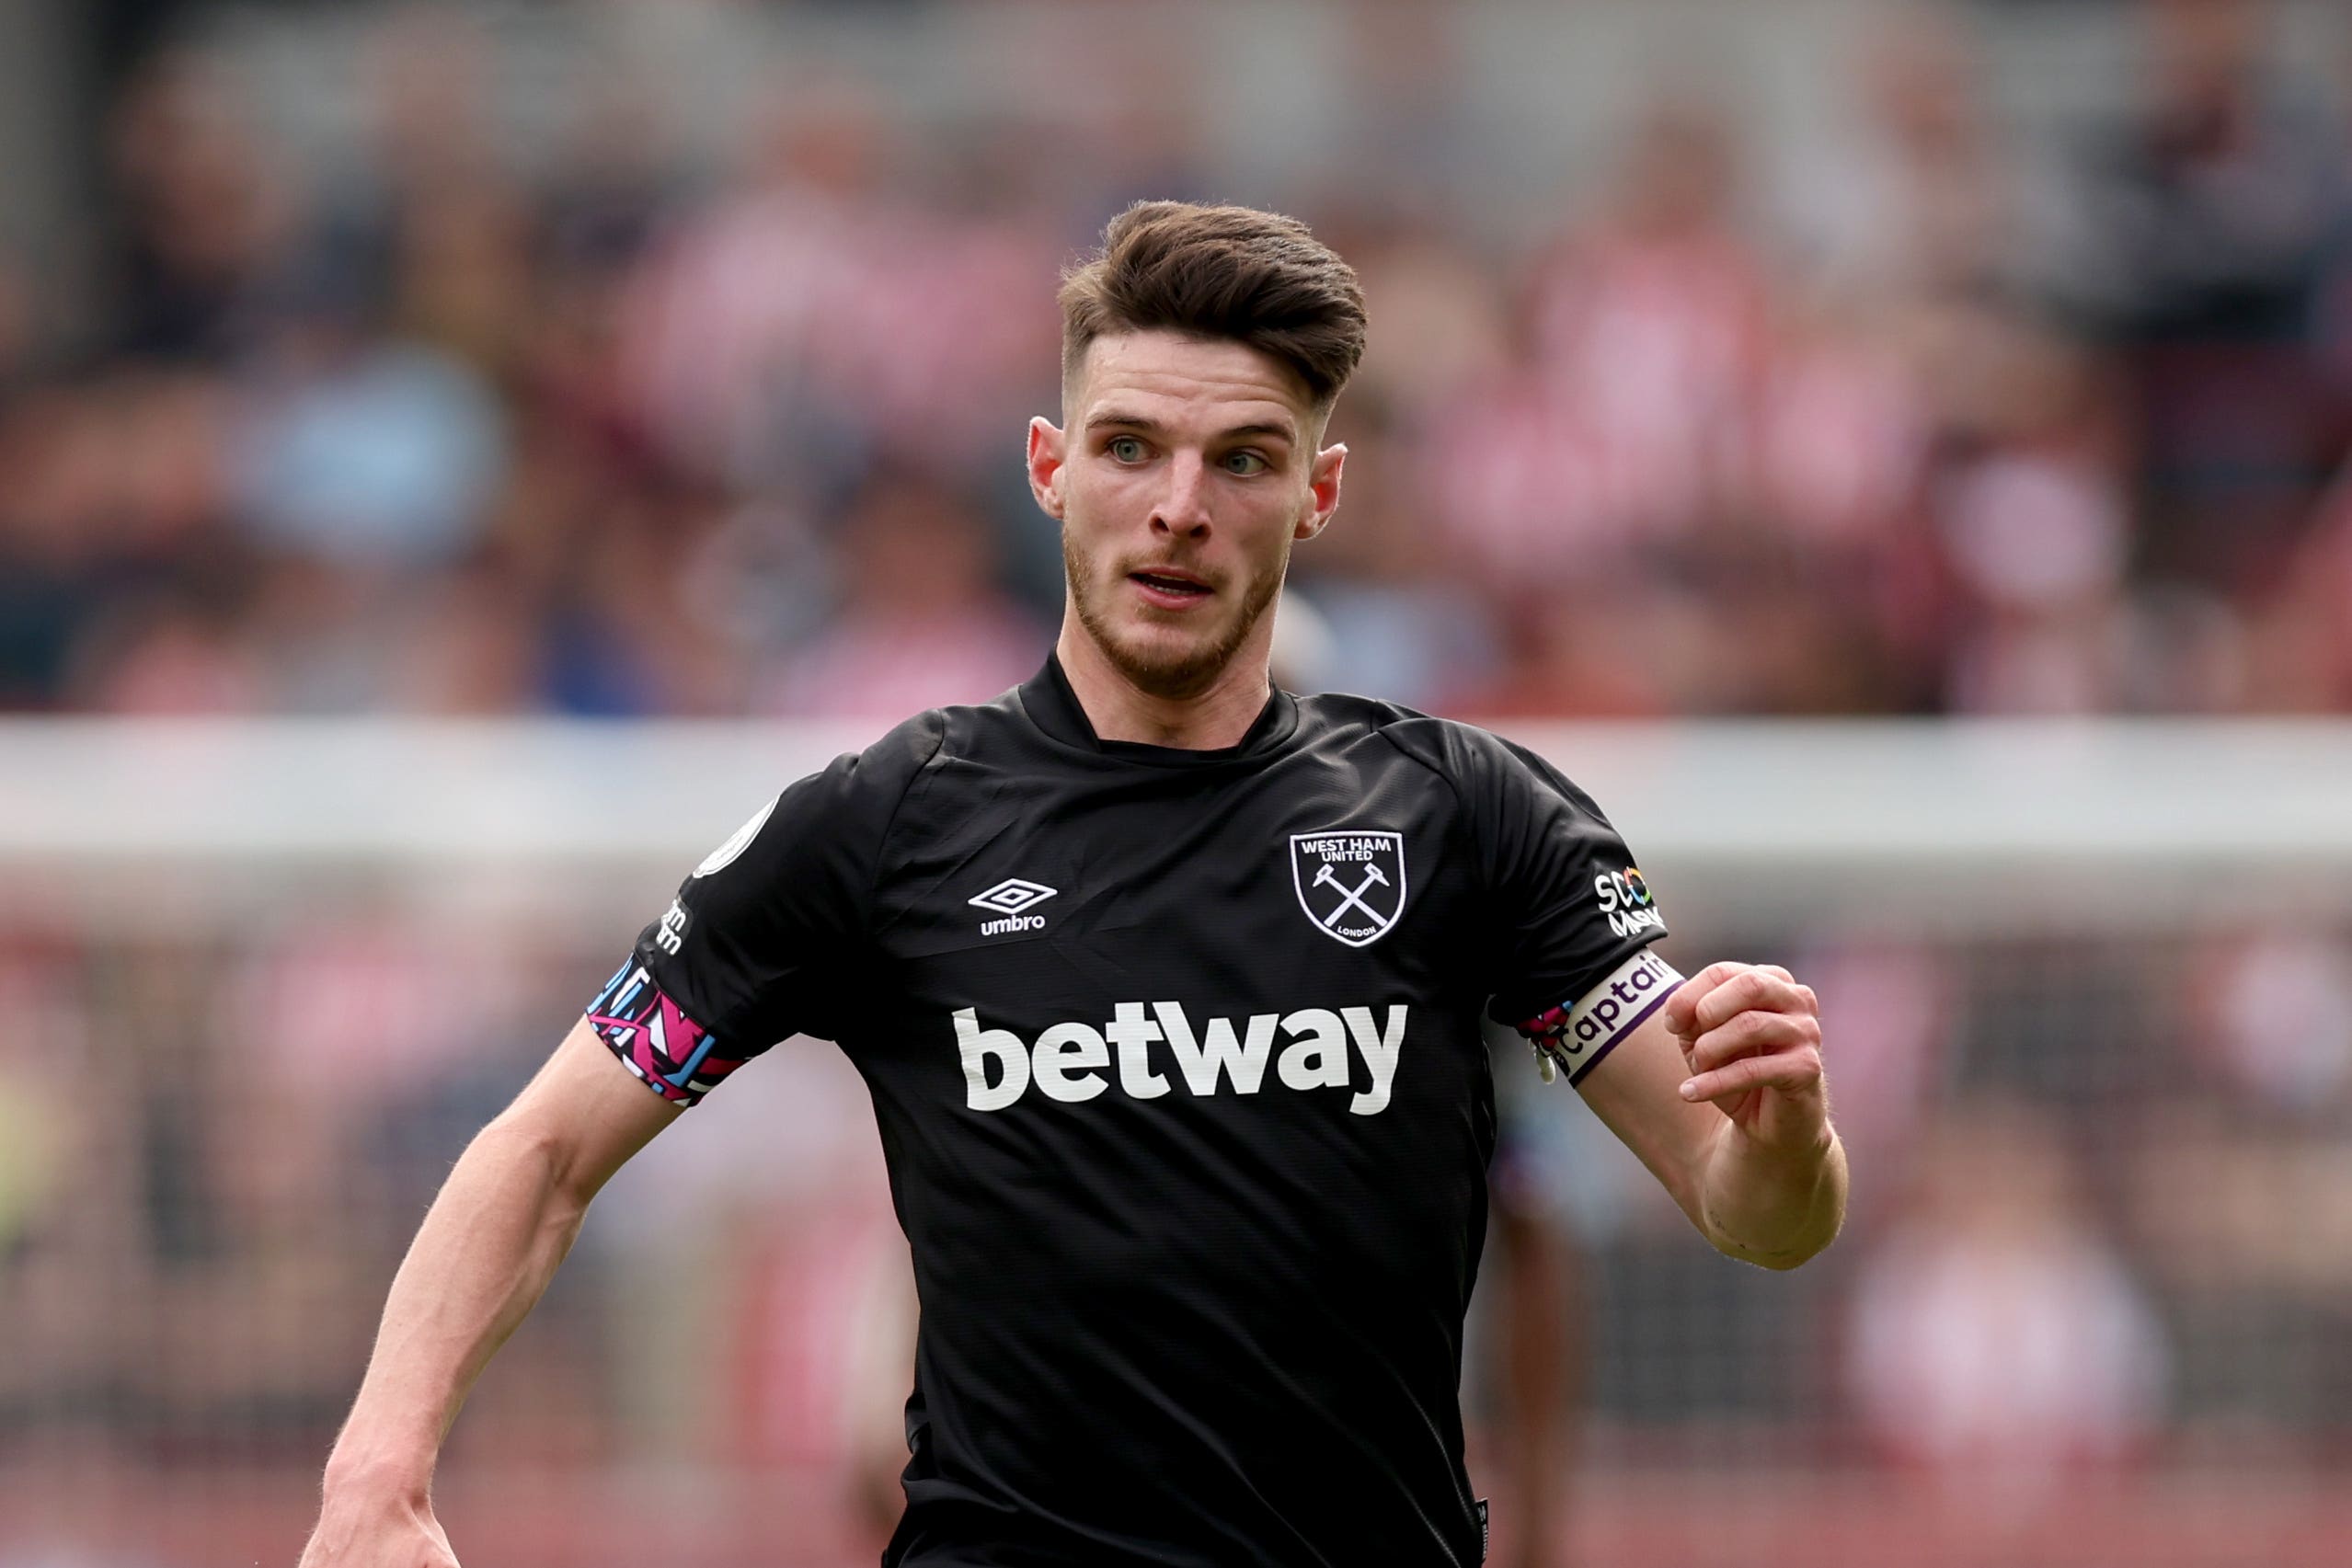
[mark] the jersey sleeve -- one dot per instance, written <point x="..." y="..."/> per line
<point x="766" y="939"/>
<point x="1572" y="913"/>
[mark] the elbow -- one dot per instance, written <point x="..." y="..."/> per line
<point x="1780" y="1261"/>
<point x="544" y="1159"/>
<point x="1780" y="1247"/>
<point x="1781" y="1217"/>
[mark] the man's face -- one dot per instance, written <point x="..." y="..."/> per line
<point x="1186" y="470"/>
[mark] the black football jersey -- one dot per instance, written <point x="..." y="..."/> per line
<point x="1177" y="1064"/>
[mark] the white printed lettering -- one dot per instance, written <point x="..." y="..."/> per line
<point x="1067" y="1061"/>
<point x="671" y="934"/>
<point x="1380" y="1052"/>
<point x="1218" y="1049"/>
<point x="1062" y="1052"/>
<point x="1012" y="922"/>
<point x="1133" y="1033"/>
<point x="1317" y="1055"/>
<point x="977" y="1045"/>
<point x="1608" y="1012"/>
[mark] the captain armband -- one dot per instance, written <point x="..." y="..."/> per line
<point x="1574" y="1037"/>
<point x="676" y="1057"/>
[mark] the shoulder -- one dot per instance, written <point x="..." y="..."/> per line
<point x="1494" y="777"/>
<point x="942" y="748"/>
<point x="997" y="730"/>
<point x="851" y="800"/>
<point x="912" y="744"/>
<point x="1462" y="753"/>
<point x="937" y="735"/>
<point x="823" y="833"/>
<point x="1344" y="716"/>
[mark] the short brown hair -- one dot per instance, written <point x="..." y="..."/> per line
<point x="1233" y="272"/>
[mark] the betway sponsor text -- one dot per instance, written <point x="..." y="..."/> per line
<point x="1075" y="1062"/>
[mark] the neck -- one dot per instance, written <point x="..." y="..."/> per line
<point x="1217" y="716"/>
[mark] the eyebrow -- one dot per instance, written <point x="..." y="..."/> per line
<point x="1113" y="419"/>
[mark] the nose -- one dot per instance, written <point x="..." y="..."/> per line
<point x="1182" y="510"/>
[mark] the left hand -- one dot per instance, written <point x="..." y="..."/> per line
<point x="1752" y="1037"/>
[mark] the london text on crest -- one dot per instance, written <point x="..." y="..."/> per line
<point x="1350" y="882"/>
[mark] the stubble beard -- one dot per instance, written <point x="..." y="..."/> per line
<point x="1174" y="675"/>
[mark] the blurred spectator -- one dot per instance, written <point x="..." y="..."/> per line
<point x="2033" y="521"/>
<point x="921" y="621"/>
<point x="2214" y="205"/>
<point x="819" y="319"/>
<point x="36" y="1147"/>
<point x="19" y="333"/>
<point x="2219" y="189"/>
<point x="167" y="658"/>
<point x="368" y="454"/>
<point x="1646" y="333"/>
<point x="1396" y="623"/>
<point x="2276" y="1015"/>
<point x="1445" y="327"/>
<point x="1996" y="1335"/>
<point x="1920" y="208"/>
<point x="202" y="212"/>
<point x="2300" y="643"/>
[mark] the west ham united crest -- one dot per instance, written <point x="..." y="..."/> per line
<point x="1351" y="884"/>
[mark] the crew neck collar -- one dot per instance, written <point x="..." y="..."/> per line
<point x="1053" y="706"/>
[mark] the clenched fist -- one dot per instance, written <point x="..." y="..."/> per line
<point x="1751" y="1038"/>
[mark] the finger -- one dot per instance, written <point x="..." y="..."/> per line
<point x="1749" y="990"/>
<point x="1752" y="1034"/>
<point x="1812" y="1002"/>
<point x="1686" y="997"/>
<point x="1793" y="1070"/>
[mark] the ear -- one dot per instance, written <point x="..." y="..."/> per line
<point x="1048" y="451"/>
<point x="1323" y="491"/>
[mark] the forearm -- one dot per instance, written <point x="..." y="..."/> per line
<point x="1770" y="1206"/>
<point x="485" y="1251"/>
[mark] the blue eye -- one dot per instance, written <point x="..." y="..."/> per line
<point x="1125" y="449"/>
<point x="1245" y="462"/>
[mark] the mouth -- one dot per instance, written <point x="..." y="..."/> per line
<point x="1169" y="589"/>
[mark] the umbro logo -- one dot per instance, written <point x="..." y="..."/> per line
<point x="1008" y="900"/>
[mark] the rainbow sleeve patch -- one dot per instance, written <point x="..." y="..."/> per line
<point x="676" y="1057"/>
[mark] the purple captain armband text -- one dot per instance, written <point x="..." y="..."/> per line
<point x="1574" y="1036"/>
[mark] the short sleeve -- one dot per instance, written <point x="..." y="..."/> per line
<point x="1569" y="904"/>
<point x="767" y="938"/>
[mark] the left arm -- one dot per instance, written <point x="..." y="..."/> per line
<point x="1721" y="1094"/>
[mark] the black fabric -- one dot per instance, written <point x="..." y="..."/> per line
<point x="1195" y="1295"/>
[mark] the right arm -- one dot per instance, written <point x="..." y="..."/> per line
<point x="489" y="1246"/>
<point x="760" y="943"/>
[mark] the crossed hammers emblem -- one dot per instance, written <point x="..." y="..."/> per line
<point x="1352" y="899"/>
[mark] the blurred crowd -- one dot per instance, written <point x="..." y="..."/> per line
<point x="1913" y="422"/>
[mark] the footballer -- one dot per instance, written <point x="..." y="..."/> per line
<point x="1168" y="985"/>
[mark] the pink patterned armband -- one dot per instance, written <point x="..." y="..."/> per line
<point x="654" y="1039"/>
